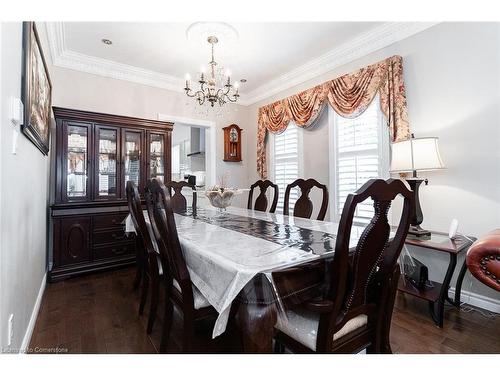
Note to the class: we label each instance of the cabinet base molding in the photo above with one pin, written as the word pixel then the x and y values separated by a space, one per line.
pixel 63 273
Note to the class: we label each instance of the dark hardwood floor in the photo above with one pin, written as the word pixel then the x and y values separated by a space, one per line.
pixel 99 314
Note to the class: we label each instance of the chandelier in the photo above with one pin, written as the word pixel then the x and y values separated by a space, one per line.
pixel 217 87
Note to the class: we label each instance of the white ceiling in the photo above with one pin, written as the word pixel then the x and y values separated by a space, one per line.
pixel 264 53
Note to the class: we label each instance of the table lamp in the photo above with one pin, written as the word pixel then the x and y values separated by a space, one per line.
pixel 412 155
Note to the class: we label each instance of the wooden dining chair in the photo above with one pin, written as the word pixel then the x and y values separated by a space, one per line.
pixel 179 201
pixel 303 205
pixel 179 289
pixel 355 309
pixel 147 255
pixel 261 202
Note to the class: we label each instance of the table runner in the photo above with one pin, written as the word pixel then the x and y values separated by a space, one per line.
pixel 306 239
pixel 221 261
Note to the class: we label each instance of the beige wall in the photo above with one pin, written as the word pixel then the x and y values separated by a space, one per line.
pixel 452 74
pixel 23 204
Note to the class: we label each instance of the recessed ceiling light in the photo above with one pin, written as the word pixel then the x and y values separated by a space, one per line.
pixel 243 80
pixel 107 41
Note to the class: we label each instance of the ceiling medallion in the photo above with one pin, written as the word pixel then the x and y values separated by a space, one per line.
pixel 199 32
pixel 216 86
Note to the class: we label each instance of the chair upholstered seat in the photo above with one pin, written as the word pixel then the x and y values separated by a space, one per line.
pixel 302 326
pixel 199 300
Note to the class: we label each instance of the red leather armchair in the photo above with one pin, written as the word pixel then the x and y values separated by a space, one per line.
pixel 483 259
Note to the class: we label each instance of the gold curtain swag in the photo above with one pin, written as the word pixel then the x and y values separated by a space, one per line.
pixel 349 96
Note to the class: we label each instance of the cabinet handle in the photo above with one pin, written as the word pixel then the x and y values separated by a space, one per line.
pixel 117 221
pixel 117 237
pixel 119 252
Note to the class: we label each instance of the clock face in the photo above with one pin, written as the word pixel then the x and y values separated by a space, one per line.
pixel 233 135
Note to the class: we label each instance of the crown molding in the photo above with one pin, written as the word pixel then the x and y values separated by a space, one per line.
pixel 55 39
pixel 65 58
pixel 362 45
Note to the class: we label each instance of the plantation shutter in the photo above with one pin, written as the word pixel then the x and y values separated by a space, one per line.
pixel 358 156
pixel 286 164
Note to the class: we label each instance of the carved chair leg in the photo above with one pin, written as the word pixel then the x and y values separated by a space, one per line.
pixel 371 349
pixel 139 263
pixel 188 333
pixel 154 303
pixel 279 348
pixel 138 277
pixel 167 324
pixel 144 294
pixel 382 342
pixel 187 341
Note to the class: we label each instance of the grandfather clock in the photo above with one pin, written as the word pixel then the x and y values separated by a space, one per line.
pixel 232 143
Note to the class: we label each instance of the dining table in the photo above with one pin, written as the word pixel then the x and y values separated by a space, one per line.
pixel 253 265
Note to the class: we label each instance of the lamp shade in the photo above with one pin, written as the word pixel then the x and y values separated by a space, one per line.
pixel 416 154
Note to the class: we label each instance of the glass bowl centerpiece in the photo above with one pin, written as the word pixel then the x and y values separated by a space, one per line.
pixel 221 196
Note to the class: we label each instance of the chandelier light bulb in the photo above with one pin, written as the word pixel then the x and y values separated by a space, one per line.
pixel 236 85
pixel 188 77
pixel 228 73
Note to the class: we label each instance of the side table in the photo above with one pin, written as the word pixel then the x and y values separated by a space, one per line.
pixel 439 293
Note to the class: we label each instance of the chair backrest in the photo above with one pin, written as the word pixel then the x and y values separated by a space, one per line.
pixel 137 215
pixel 178 201
pixel 355 280
pixel 303 205
pixel 161 215
pixel 261 201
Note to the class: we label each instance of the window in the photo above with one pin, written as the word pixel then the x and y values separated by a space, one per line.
pixel 286 162
pixel 361 147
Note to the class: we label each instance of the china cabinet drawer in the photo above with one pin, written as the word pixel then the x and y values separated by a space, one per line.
pixel 109 221
pixel 112 236
pixel 114 250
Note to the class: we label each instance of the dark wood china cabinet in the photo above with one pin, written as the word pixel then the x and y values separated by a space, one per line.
pixel 95 155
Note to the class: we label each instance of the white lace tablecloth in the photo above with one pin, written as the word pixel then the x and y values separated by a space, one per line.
pixel 222 261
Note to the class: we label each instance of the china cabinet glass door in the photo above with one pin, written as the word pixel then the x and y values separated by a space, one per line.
pixel 131 154
pixel 156 158
pixel 106 163
pixel 77 158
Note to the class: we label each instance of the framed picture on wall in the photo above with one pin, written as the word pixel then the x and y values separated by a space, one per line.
pixel 36 91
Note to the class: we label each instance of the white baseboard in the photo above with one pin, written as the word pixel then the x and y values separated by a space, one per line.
pixel 478 300
pixel 34 315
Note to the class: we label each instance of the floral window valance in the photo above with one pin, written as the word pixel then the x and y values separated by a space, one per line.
pixel 349 95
